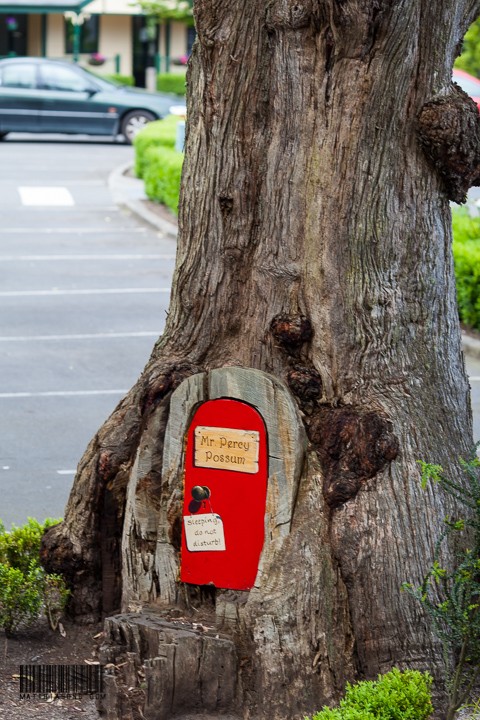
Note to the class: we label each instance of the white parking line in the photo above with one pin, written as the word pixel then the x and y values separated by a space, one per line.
pixel 62 393
pixel 84 336
pixel 66 472
pixel 48 258
pixel 43 196
pixel 474 378
pixel 93 291
pixel 74 230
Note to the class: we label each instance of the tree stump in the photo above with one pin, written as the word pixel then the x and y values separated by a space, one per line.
pixel 166 667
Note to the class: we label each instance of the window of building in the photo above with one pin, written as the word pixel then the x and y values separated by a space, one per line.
pixel 13 34
pixel 88 35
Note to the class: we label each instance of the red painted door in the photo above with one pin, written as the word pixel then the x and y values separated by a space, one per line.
pixel 225 489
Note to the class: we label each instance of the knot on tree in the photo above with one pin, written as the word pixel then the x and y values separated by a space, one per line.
pixel 305 383
pixel 449 131
pixel 106 465
pixel 166 380
pixel 226 203
pixel 353 446
pixel 58 555
pixel 291 331
pixel 289 14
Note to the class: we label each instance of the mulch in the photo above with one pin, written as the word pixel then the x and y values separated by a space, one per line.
pixel 39 644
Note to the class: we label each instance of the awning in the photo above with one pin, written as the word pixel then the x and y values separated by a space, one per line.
pixel 40 7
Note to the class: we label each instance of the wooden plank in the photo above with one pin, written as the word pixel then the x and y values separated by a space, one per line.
pixel 227 449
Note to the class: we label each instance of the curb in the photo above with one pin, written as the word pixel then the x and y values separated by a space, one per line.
pixel 128 192
pixel 471 346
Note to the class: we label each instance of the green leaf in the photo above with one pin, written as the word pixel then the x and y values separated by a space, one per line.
pixel 429 471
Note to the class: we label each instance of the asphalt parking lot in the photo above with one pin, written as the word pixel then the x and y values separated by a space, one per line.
pixel 84 293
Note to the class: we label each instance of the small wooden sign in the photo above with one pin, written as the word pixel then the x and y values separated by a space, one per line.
pixel 204 532
pixel 227 449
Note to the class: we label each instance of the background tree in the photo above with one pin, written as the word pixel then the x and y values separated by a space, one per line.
pixel 469 60
pixel 164 10
pixel 324 143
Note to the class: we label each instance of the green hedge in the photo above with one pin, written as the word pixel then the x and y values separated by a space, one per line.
pixel 466 253
pixel 158 163
pixel 394 696
pixel 25 588
pixel 162 176
pixel 172 83
pixel 121 79
pixel 160 133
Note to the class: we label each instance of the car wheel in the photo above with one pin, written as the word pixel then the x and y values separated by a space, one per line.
pixel 133 122
pixel 3 135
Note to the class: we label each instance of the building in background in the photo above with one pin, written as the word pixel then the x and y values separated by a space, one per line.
pixel 112 34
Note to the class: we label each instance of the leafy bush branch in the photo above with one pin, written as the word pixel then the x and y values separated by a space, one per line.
pixel 394 696
pixel 25 587
pixel 451 596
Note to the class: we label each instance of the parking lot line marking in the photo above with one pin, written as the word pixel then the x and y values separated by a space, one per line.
pixel 42 196
pixel 84 336
pixel 48 258
pixel 61 393
pixel 474 378
pixel 95 291
pixel 66 472
pixel 74 230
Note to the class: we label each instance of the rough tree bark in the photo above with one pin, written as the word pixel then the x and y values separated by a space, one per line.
pixel 324 142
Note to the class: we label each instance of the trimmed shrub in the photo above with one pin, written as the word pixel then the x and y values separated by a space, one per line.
pixel 121 79
pixel 162 175
pixel 158 163
pixel 467 272
pixel 172 83
pixel 25 587
pixel 394 696
pixel 155 134
pixel 464 226
pixel 20 547
pixel 466 253
pixel 20 599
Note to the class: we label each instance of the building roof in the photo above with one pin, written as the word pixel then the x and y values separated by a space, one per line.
pixel 41 6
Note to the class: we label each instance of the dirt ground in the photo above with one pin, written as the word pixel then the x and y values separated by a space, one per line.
pixel 39 644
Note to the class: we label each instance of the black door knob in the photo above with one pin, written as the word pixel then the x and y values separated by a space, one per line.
pixel 200 492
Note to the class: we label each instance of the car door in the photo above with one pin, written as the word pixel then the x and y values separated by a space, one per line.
pixel 20 98
pixel 72 104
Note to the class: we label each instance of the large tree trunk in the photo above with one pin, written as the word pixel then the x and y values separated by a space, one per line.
pixel 314 245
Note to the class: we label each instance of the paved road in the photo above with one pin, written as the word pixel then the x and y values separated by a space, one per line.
pixel 83 295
